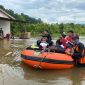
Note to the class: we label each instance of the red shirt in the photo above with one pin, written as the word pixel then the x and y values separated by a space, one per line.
pixel 69 39
pixel 64 41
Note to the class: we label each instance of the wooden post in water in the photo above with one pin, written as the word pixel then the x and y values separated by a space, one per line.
pixel 27 35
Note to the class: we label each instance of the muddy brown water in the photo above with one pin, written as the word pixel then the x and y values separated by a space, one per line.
pixel 13 72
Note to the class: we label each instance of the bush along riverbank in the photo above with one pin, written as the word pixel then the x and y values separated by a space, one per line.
pixel 54 29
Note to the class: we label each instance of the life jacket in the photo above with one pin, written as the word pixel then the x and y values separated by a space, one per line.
pixel 82 59
pixel 34 46
pixel 69 50
pixel 77 50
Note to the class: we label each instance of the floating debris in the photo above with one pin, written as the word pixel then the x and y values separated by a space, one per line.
pixel 8 53
pixel 17 59
pixel 16 46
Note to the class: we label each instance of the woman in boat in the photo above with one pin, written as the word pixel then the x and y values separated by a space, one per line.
pixel 60 45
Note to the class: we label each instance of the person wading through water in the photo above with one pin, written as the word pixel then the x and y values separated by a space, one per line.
pixel 77 50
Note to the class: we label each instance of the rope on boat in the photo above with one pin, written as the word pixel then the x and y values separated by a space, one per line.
pixel 39 65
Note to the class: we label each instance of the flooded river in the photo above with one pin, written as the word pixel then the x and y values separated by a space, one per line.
pixel 13 72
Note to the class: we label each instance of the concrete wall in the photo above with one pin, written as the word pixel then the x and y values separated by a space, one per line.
pixel 5 25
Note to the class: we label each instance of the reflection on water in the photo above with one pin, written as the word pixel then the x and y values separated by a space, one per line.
pixel 18 73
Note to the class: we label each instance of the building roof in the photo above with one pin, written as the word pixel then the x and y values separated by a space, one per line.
pixel 10 17
pixel 13 20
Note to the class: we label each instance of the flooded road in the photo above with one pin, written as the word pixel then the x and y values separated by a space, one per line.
pixel 13 72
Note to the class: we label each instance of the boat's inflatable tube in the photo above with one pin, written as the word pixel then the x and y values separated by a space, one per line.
pixel 47 60
pixel 81 61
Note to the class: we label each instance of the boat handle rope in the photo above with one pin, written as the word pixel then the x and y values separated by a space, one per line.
pixel 38 66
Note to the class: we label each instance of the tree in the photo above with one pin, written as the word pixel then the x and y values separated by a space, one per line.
pixel 72 25
pixel 61 28
pixel 2 7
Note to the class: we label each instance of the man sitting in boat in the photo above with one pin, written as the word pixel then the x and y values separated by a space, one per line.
pixel 46 41
pixel 71 36
pixel 70 39
pixel 49 39
pixel 63 43
pixel 66 41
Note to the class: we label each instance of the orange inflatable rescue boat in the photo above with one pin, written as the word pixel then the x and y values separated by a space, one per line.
pixel 46 60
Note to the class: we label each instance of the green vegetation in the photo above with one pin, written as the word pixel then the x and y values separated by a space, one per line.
pixel 55 29
pixel 36 26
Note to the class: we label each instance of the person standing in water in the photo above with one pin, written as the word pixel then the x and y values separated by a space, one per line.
pixel 1 34
pixel 77 50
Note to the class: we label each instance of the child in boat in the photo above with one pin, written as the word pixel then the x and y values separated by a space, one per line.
pixel 49 39
pixel 43 44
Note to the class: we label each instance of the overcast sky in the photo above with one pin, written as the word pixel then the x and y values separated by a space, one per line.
pixel 50 11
